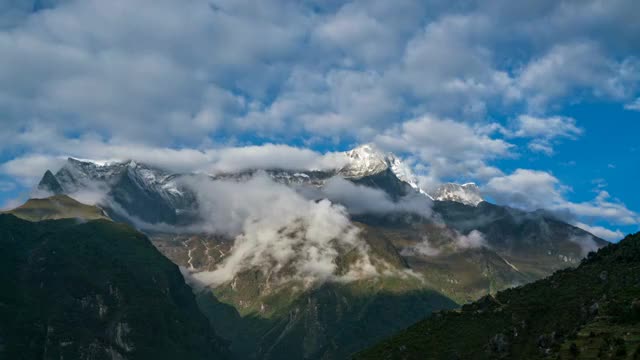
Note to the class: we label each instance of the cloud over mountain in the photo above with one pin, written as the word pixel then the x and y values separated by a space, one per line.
pixel 221 85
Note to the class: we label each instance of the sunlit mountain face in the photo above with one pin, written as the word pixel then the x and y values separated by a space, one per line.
pixel 318 175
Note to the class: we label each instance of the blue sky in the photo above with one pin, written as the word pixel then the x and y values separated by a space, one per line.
pixel 536 101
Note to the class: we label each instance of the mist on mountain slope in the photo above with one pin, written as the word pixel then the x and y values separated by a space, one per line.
pixel 275 227
pixel 360 199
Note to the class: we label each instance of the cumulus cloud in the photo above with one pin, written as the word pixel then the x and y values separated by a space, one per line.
pixel 31 166
pixel 531 190
pixel 275 229
pixel 446 147
pixel 577 65
pixel 548 128
pixel 95 66
pixel 525 189
pixel 545 130
pixel 601 232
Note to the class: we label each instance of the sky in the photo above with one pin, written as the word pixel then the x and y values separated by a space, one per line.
pixel 536 101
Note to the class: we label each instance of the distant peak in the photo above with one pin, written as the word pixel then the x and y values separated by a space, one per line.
pixel 50 184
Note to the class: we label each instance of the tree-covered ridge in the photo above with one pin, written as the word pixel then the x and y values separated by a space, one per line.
pixel 590 312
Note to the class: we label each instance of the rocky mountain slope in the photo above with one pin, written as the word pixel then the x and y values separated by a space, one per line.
pixel 592 312
pixel 94 290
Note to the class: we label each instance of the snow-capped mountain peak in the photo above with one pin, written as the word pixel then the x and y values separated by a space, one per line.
pixel 366 160
pixel 468 194
pixel 363 161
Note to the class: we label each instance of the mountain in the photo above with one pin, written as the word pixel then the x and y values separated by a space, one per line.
pixel 366 160
pixel 94 290
pixel 57 207
pixel 459 250
pixel 124 185
pixel 589 312
pixel 126 190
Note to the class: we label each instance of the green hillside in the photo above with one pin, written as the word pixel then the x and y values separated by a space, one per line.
pixel 57 207
pixel 592 312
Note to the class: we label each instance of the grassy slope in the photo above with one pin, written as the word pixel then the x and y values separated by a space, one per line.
pixel 589 312
pixel 95 290
pixel 56 207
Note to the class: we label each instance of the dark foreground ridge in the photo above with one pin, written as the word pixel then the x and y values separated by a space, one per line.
pixel 592 312
pixel 94 290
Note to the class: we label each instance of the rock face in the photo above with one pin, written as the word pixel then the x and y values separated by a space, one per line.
pixel 94 290
pixel 572 314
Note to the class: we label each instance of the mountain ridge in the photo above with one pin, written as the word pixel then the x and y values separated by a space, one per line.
pixel 362 161
pixel 449 255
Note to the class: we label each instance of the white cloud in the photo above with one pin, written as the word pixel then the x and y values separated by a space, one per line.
pixel 458 242
pixel 360 199
pixel 186 71
pixel 31 166
pixel 473 240
pixel 268 156
pixel 527 189
pixel 544 130
pixel 601 232
pixel 547 128
pixel 447 147
pixel 568 68
pixel 531 190
pixel 276 228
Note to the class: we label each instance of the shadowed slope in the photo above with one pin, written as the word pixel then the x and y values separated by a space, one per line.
pixel 94 290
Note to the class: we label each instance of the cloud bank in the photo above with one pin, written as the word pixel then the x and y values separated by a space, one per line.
pixel 278 230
